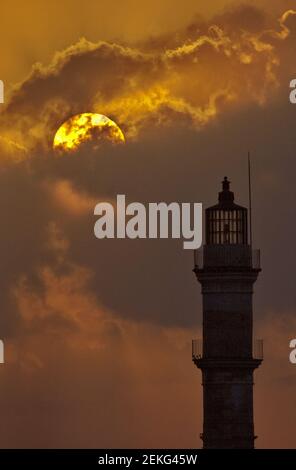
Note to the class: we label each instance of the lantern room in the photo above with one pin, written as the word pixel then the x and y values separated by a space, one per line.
pixel 226 222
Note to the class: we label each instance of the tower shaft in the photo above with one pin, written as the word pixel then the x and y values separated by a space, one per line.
pixel 227 273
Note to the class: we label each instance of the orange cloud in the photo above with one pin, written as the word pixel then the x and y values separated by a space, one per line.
pixel 276 383
pixel 71 200
pixel 137 373
pixel 94 370
pixel 214 68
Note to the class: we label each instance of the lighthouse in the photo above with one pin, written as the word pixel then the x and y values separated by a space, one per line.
pixel 227 355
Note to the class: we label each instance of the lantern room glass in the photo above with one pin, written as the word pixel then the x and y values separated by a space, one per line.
pixel 227 226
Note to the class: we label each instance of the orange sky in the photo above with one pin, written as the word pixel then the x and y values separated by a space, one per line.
pixel 32 32
pixel 98 337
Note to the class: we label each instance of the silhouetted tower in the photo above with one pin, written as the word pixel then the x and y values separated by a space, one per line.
pixel 227 268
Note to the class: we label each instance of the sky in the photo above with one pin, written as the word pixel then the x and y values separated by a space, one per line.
pixel 98 333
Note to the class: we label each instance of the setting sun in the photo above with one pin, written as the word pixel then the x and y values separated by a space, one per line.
pixel 93 128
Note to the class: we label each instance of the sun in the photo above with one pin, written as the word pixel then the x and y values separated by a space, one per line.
pixel 92 128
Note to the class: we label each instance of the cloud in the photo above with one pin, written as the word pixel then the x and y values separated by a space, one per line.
pixel 216 65
pixel 69 199
pixel 89 377
pixel 276 383
pixel 12 151
pixel 97 335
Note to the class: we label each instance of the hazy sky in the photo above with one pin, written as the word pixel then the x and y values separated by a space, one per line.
pixel 98 333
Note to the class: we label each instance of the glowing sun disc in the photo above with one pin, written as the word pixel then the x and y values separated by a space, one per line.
pixel 87 127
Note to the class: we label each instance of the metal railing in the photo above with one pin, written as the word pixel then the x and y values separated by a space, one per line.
pixel 226 256
pixel 258 349
pixel 198 258
pixel 256 261
pixel 197 349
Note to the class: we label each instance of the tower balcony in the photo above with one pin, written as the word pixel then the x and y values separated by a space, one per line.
pixel 197 350
pixel 227 256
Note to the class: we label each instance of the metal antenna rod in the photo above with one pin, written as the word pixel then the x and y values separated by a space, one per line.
pixel 250 200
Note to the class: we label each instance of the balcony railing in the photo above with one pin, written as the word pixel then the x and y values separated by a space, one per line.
pixel 197 349
pixel 258 349
pixel 221 256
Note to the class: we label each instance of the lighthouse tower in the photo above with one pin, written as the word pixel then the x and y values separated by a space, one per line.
pixel 227 268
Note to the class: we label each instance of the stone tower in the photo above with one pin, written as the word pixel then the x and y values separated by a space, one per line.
pixel 227 268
